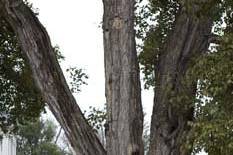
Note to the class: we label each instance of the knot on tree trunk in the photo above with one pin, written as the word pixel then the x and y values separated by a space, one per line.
pixel 117 23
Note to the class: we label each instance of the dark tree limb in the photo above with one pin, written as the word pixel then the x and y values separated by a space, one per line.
pixel 48 76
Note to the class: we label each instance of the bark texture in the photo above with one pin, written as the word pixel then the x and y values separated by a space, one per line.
pixel 169 120
pixel 49 78
pixel 123 92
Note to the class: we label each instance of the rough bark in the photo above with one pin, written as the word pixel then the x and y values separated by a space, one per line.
pixel 123 92
pixel 49 78
pixel 169 120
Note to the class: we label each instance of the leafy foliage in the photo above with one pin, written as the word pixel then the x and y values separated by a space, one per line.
pixel 58 53
pixel 19 98
pixel 77 77
pixel 154 25
pixel 212 128
pixel 96 117
pixel 214 124
pixel 36 138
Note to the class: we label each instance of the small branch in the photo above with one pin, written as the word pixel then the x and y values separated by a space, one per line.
pixel 58 135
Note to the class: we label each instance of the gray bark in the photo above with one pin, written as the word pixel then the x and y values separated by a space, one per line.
pixel 169 128
pixel 48 76
pixel 123 92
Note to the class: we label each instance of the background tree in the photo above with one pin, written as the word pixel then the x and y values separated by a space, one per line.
pixel 180 34
pixel 37 138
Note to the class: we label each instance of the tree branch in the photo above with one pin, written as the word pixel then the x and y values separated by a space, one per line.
pixel 48 76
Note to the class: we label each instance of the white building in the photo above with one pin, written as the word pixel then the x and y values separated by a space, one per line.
pixel 8 146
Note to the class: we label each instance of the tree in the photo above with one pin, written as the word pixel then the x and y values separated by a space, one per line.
pixel 123 92
pixel 36 138
pixel 47 75
pixel 212 130
pixel 182 33
pixel 20 99
pixel 169 120
pixel 37 47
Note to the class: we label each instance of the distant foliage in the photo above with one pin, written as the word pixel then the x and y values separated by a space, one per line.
pixel 37 138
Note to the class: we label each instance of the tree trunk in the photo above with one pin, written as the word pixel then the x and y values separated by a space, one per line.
pixel 173 106
pixel 49 78
pixel 123 92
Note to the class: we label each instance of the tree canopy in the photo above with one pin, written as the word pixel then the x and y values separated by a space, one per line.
pixel 37 138
pixel 185 51
pixel 212 126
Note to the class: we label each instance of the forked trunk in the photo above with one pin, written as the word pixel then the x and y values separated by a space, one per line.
pixel 173 94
